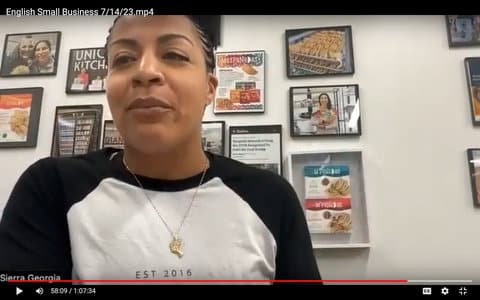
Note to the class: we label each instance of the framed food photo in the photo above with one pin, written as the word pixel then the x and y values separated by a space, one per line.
pixel 463 30
pixel 472 70
pixel 87 70
pixel 20 116
pixel 213 137
pixel 30 54
pixel 241 82
pixel 473 155
pixel 320 51
pixel 111 136
pixel 327 110
pixel 76 130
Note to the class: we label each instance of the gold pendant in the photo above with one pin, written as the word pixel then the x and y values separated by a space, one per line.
pixel 176 247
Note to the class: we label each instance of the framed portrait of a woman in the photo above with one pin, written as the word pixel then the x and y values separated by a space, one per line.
pixel 327 110
pixel 30 54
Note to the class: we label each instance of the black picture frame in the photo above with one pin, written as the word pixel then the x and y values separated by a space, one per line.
pixel 87 71
pixel 81 128
pixel 473 156
pixel 319 51
pixel 17 62
pixel 340 117
pixel 111 136
pixel 472 71
pixel 463 30
pixel 244 151
pixel 22 107
pixel 213 137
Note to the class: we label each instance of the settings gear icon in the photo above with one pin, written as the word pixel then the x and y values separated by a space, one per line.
pixel 445 291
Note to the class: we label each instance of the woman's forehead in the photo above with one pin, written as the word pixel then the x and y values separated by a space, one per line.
pixel 131 26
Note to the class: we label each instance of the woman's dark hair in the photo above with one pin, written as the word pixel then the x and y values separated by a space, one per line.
pixel 43 41
pixel 329 104
pixel 203 32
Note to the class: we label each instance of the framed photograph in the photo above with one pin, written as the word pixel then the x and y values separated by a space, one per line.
pixel 241 82
pixel 87 70
pixel 472 69
pixel 31 54
pixel 259 146
pixel 76 130
pixel 319 51
pixel 327 110
pixel 463 30
pixel 213 137
pixel 20 116
pixel 111 136
pixel 473 155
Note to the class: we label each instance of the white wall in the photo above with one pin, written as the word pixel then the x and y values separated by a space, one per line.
pixel 415 121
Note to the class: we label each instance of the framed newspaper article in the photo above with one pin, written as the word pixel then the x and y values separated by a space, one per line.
pixel 259 146
pixel 213 137
pixel 111 136
pixel 20 116
pixel 321 51
pixel 87 70
pixel 241 82
pixel 76 130
pixel 326 110
pixel 473 155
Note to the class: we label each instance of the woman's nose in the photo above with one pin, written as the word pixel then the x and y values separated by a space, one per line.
pixel 149 70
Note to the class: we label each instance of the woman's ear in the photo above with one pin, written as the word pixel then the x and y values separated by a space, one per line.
pixel 211 88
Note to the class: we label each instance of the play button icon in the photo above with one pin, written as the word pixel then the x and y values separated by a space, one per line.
pixel 19 291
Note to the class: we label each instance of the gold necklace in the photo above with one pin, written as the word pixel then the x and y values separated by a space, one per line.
pixel 175 245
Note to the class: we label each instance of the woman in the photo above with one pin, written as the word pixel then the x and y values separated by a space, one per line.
pixel 162 208
pixel 43 61
pixel 325 117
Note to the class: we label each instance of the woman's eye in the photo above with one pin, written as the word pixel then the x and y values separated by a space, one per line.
pixel 175 56
pixel 121 60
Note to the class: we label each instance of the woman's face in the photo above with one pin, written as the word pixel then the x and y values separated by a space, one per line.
pixel 323 100
pixel 42 53
pixel 157 83
pixel 26 48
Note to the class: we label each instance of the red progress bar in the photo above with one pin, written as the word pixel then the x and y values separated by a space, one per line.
pixel 206 281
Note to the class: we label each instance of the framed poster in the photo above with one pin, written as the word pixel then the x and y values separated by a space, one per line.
pixel 463 30
pixel 319 51
pixel 87 70
pixel 326 110
pixel 472 69
pixel 20 116
pixel 259 146
pixel 76 130
pixel 27 54
pixel 111 136
pixel 213 137
pixel 241 82
pixel 473 155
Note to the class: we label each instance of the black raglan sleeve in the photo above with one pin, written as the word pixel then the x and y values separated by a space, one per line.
pixel 33 229
pixel 295 257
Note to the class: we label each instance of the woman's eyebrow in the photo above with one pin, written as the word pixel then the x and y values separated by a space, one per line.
pixel 163 39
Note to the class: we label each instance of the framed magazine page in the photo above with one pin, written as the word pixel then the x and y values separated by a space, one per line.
pixel 463 30
pixel 320 51
pixel 111 136
pixel 213 137
pixel 31 54
pixel 328 110
pixel 76 130
pixel 259 146
pixel 87 70
pixel 241 82
pixel 473 155
pixel 20 116
pixel 472 69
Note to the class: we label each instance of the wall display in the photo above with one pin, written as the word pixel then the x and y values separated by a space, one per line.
pixel 87 70
pixel 319 51
pixel 463 30
pixel 325 110
pixel 473 155
pixel 27 54
pixel 241 82
pixel 259 146
pixel 111 136
pixel 76 130
pixel 213 136
pixel 20 116
pixel 472 69
pixel 328 207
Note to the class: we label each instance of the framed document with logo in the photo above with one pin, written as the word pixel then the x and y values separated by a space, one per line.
pixel 87 70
